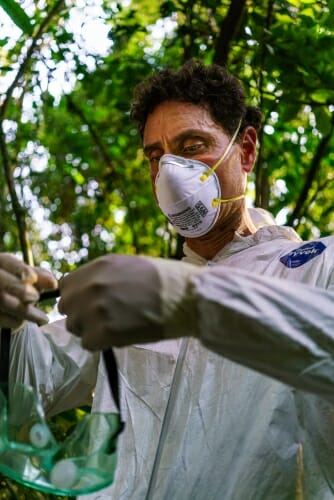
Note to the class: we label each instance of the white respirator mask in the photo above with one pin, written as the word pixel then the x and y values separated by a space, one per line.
pixel 188 192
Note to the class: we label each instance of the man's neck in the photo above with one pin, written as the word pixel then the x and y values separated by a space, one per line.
pixel 209 245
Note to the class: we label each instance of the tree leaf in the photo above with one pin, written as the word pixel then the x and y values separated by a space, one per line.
pixel 17 14
pixel 321 95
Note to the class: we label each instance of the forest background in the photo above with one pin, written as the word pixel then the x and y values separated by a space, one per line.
pixel 73 180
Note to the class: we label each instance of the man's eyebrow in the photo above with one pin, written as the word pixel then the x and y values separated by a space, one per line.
pixel 152 147
pixel 192 132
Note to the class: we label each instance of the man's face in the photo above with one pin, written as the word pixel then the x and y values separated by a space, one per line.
pixel 187 130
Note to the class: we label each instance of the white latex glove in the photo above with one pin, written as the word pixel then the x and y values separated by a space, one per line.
pixel 19 290
pixel 118 300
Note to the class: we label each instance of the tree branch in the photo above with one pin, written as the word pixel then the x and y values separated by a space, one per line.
pixel 313 198
pixel 72 106
pixel 228 30
pixel 261 170
pixel 294 217
pixel 35 39
pixel 18 210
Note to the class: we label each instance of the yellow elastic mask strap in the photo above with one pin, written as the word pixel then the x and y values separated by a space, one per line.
pixel 217 201
pixel 226 152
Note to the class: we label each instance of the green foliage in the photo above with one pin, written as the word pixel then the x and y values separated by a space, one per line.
pixel 75 152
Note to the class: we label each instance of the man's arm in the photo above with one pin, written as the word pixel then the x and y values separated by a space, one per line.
pixel 280 328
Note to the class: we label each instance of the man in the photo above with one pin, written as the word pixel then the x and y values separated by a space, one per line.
pixel 199 423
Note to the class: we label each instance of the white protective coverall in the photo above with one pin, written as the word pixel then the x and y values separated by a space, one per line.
pixel 200 426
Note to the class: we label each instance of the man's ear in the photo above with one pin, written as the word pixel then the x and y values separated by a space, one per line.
pixel 248 148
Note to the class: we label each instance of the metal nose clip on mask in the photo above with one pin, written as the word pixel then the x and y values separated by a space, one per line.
pixel 29 454
pixel 189 194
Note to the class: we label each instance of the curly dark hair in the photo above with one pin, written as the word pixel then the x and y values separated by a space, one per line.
pixel 212 87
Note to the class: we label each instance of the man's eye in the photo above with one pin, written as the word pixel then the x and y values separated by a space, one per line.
pixel 154 160
pixel 193 148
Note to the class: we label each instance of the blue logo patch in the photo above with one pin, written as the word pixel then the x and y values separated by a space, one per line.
pixel 303 254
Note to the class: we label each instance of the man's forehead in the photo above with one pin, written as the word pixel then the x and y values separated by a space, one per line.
pixel 177 122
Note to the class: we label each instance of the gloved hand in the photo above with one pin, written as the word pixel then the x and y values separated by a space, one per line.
pixel 19 290
pixel 119 300
pixel 114 300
